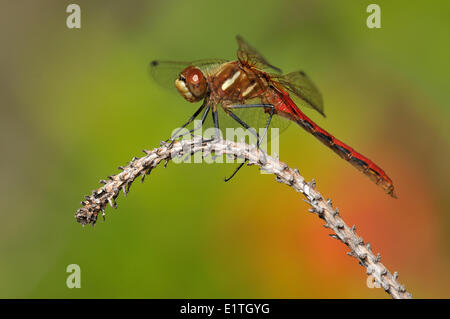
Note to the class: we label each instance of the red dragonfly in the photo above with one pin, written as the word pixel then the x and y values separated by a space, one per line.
pixel 251 82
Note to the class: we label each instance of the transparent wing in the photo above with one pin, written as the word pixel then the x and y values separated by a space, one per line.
pixel 303 88
pixel 166 72
pixel 247 54
pixel 256 118
pixel 208 66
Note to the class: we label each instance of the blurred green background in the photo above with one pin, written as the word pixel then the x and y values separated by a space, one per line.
pixel 78 103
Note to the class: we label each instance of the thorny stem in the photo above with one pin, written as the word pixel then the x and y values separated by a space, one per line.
pixel 96 203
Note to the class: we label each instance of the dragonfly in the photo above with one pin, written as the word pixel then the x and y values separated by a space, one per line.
pixel 252 83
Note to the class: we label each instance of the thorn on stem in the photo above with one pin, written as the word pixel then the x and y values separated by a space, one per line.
pixel 334 236
pixel 112 202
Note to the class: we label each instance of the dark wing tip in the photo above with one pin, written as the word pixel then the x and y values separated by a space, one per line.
pixel 320 109
pixel 241 42
pixel 276 68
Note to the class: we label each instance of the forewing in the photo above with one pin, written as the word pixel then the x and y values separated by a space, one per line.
pixel 166 72
pixel 247 54
pixel 208 66
pixel 303 88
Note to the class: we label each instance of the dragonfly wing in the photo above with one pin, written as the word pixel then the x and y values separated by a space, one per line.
pixel 166 72
pixel 303 89
pixel 255 117
pixel 209 66
pixel 247 54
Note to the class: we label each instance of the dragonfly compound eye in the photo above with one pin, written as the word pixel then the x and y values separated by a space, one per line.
pixel 192 84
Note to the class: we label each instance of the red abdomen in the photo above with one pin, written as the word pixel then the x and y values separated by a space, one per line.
pixel 362 163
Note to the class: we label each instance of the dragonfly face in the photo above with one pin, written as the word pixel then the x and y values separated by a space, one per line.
pixel 191 84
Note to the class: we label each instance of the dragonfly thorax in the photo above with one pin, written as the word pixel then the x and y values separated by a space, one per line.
pixel 192 84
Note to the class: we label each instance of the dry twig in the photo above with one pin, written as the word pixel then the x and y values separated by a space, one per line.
pixel 96 203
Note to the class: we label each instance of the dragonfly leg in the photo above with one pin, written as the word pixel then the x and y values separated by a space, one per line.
pixel 247 106
pixel 215 115
pixel 272 110
pixel 246 126
pixel 191 119
pixel 203 119
pixel 226 179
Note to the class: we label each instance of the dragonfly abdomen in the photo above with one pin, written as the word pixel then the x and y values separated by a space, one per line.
pixel 362 163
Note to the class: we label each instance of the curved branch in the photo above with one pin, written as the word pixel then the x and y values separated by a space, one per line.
pixel 96 203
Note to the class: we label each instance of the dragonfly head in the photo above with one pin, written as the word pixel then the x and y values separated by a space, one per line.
pixel 192 84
